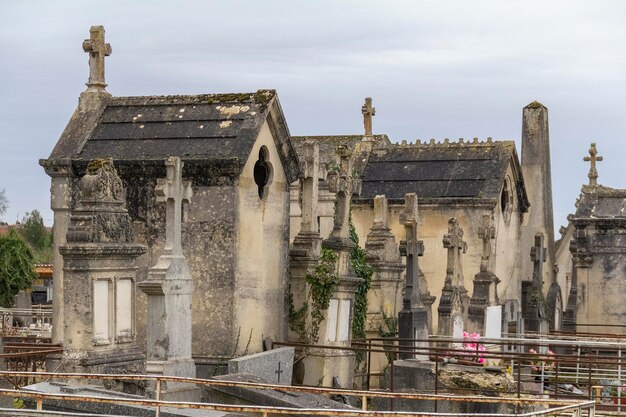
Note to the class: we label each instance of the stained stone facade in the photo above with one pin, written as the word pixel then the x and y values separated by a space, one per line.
pixel 593 269
pixel 239 160
pixel 99 263
pixel 460 179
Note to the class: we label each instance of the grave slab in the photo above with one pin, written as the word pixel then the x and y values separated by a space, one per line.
pixel 274 366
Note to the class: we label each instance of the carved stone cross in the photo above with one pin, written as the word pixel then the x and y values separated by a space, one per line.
pixel 368 111
pixel 344 186
pixel 538 256
pixel 98 50
pixel 411 248
pixel 453 241
pixel 486 232
pixel 173 191
pixel 593 158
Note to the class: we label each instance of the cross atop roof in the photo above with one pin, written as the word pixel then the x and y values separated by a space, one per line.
pixel 368 111
pixel 98 50
pixel 593 158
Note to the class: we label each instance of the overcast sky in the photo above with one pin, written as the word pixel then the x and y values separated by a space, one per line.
pixel 435 69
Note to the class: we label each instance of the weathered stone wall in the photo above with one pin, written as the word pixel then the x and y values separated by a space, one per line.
pixel 507 247
pixel 601 286
pixel 262 247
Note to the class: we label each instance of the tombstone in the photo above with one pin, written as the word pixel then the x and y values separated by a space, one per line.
pixel 554 301
pixel 169 288
pixel 100 275
pixel 533 300
pixel 413 318
pixel 454 299
pixel 485 292
pixel 274 366
pixel 322 366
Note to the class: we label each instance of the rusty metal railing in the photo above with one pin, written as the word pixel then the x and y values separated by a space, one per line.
pixel 555 407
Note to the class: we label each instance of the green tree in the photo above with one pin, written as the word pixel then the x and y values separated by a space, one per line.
pixel 34 232
pixel 4 203
pixel 16 267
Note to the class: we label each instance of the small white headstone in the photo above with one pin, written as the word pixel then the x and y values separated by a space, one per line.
pixel 493 322
pixel 101 310
pixel 457 330
pixel 344 321
pixel 331 327
pixel 124 308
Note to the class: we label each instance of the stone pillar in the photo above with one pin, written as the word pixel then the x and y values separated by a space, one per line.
pixel 169 288
pixel 533 300
pixel 305 251
pixel 98 290
pixel 485 292
pixel 454 299
pixel 582 260
pixel 61 204
pixel 385 294
pixel 413 318
pixel 336 328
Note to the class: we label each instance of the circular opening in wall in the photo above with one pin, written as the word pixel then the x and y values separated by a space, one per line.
pixel 263 172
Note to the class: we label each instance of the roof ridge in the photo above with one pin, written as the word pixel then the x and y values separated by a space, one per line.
pixel 448 143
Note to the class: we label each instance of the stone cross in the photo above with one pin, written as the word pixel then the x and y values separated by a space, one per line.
pixel 453 241
pixel 538 256
pixel 309 186
pixel 593 158
pixel 368 111
pixel 278 372
pixel 411 248
pixel 98 50
pixel 343 185
pixel 173 191
pixel 486 232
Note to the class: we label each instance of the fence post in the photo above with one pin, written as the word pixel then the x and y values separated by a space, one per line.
pixel 556 379
pixel 369 360
pixel 158 396
pixel 519 378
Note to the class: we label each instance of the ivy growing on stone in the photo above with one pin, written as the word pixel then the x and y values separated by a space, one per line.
pixel 362 270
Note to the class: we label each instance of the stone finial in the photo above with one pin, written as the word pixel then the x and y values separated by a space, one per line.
pixel 98 50
pixel 173 191
pixel 381 212
pixel 593 158
pixel 487 232
pixel 368 111
pixel 101 184
pixel 100 215
pixel 342 183
pixel 309 186
pixel 453 241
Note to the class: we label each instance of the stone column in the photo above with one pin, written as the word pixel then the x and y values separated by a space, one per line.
pixel 385 293
pixel 336 367
pixel 413 318
pixel 169 288
pixel 485 292
pixel 454 299
pixel 61 204
pixel 99 279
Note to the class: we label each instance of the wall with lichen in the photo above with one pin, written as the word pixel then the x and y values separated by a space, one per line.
pixel 507 246
pixel 262 248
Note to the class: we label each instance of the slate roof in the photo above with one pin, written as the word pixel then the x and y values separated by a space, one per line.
pixel 328 144
pixel 454 172
pixel 214 128
pixel 601 203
